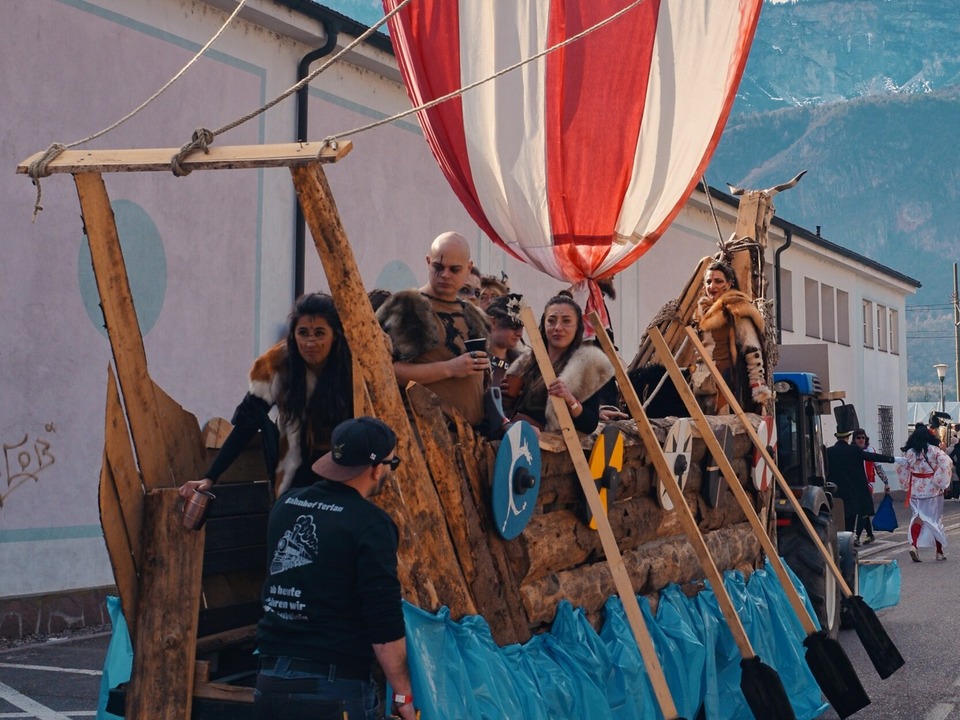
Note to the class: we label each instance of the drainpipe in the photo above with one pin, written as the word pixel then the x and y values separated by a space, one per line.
pixel 788 235
pixel 300 223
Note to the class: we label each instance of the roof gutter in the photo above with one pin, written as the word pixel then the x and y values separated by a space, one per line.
pixel 303 104
pixel 788 235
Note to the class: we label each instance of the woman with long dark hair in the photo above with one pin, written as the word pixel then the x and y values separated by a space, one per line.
pixel 308 377
pixel 924 471
pixel 582 370
pixel 731 329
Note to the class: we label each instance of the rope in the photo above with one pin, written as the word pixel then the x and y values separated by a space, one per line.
pixel 38 168
pixel 713 211
pixel 471 86
pixel 203 137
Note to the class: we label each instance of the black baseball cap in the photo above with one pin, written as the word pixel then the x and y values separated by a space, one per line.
pixel 356 445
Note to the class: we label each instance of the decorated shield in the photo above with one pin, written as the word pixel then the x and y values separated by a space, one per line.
pixel 516 479
pixel 762 473
pixel 606 462
pixel 677 448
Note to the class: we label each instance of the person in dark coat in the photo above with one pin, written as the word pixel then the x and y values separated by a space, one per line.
pixel 845 470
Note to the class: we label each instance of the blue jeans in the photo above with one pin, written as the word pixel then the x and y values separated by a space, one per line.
pixel 284 694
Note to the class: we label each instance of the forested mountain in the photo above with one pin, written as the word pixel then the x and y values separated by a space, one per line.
pixel 865 96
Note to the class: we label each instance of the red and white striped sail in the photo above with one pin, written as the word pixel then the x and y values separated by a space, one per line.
pixel 576 162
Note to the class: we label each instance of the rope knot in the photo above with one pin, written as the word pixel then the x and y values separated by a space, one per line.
pixel 39 168
pixel 200 140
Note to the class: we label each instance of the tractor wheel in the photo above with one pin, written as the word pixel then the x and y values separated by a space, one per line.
pixel 804 558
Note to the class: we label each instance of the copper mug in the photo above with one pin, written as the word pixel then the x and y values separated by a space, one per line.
pixel 195 509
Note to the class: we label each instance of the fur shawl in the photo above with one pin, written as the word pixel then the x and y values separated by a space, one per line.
pixel 586 372
pixel 733 303
pixel 266 383
pixel 407 317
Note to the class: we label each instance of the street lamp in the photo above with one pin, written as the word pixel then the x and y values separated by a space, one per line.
pixel 941 369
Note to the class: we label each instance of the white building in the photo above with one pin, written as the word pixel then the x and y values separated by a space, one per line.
pixel 213 257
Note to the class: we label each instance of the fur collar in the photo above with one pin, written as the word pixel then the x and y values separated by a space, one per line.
pixel 587 371
pixel 407 317
pixel 733 303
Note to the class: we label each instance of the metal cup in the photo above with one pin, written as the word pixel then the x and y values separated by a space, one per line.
pixel 195 509
pixel 476 344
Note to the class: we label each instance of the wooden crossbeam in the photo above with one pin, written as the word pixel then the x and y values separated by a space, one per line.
pixel 227 157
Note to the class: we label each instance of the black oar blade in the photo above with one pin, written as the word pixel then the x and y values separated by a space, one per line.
pixel 764 691
pixel 835 675
pixel 883 653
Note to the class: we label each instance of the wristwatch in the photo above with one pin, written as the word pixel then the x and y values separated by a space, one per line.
pixel 400 700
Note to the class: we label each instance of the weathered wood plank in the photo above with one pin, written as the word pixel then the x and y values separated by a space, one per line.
pixel 119 455
pixel 118 542
pixel 427 563
pixel 126 341
pixel 161 683
pixel 226 157
pixel 182 434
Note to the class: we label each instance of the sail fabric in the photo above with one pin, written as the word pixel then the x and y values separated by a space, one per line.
pixel 576 162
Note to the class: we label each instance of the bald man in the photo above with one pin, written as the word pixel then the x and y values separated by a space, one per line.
pixel 429 328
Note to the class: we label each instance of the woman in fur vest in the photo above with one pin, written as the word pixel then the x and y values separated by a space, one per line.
pixel 582 371
pixel 731 329
pixel 308 378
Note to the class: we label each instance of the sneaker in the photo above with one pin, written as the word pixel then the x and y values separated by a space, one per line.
pixel 941 556
pixel 914 555
pixel 856 542
pixel 870 539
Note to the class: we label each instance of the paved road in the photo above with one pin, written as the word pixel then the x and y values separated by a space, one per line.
pixel 61 679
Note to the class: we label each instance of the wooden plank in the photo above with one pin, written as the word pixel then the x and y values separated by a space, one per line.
pixel 215 432
pixel 119 546
pixel 246 531
pixel 126 341
pixel 222 691
pixel 119 455
pixel 166 627
pixel 226 157
pixel 615 562
pixel 182 434
pixel 218 641
pixel 427 564
pixel 214 621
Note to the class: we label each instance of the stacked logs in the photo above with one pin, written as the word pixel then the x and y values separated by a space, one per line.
pixel 516 585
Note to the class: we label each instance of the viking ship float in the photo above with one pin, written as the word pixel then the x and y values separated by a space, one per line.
pixel 617 135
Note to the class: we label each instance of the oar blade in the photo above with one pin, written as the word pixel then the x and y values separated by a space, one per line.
pixel 883 653
pixel 835 675
pixel 764 691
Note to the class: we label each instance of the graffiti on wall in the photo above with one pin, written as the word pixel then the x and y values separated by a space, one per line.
pixel 23 461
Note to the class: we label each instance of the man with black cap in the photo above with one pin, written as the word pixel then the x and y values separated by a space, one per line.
pixel 845 470
pixel 331 599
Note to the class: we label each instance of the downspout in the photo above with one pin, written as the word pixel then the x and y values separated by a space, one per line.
pixel 788 235
pixel 300 223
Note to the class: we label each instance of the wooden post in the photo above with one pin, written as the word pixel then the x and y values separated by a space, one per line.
pixel 126 342
pixel 625 588
pixel 426 549
pixel 161 683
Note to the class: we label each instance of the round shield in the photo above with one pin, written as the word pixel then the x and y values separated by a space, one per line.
pixel 516 479
pixel 762 473
pixel 677 448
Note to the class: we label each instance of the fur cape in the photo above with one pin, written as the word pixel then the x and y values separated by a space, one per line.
pixel 407 317
pixel 266 383
pixel 586 372
pixel 736 305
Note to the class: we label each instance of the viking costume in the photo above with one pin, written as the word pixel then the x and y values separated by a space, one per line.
pixel 425 329
pixel 585 374
pixel 925 475
pixel 731 328
pixel 286 447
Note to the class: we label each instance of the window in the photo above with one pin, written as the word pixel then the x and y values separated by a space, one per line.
pixel 827 314
pixel 843 317
pixel 811 292
pixel 885 423
pixel 786 300
pixel 881 328
pixel 894 326
pixel 867 324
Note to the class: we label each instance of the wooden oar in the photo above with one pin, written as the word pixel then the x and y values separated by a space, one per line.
pixel 610 548
pixel 881 649
pixel 826 658
pixel 760 683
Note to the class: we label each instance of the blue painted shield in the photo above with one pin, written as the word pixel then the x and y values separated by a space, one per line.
pixel 516 479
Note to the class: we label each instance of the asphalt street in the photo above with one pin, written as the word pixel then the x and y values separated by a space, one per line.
pixel 60 679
